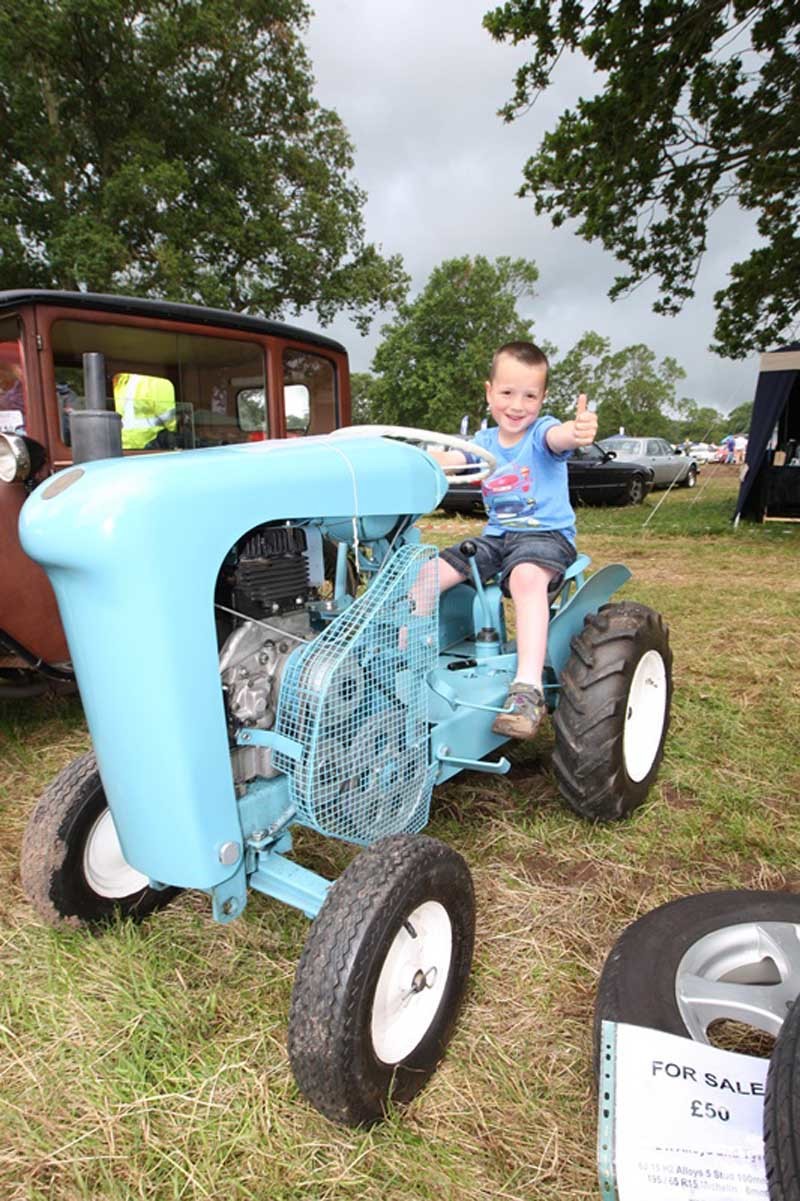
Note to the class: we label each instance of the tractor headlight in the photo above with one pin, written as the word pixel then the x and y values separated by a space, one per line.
pixel 15 458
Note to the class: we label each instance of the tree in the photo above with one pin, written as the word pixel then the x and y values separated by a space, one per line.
pixel 361 385
pixel 636 393
pixel 576 372
pixel 738 420
pixel 174 148
pixel 699 103
pixel 435 356
pixel 698 423
pixel 628 386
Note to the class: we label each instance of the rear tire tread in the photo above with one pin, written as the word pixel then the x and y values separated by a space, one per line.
pixel 588 722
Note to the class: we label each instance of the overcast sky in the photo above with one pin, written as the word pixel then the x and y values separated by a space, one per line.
pixel 418 84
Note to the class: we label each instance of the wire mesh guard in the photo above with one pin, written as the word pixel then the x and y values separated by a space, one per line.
pixel 356 699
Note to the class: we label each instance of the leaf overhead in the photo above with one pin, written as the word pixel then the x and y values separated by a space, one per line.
pixel 697 104
pixel 176 149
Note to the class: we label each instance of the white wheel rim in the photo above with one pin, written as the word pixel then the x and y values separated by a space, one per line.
pixel 412 982
pixel 748 973
pixel 106 870
pixel 645 711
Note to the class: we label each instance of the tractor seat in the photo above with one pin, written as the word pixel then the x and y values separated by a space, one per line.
pixel 572 579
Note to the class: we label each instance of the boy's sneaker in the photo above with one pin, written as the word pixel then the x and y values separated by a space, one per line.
pixel 525 709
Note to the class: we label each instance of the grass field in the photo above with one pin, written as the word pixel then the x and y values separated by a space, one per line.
pixel 150 1062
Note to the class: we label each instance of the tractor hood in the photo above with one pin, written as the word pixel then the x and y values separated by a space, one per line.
pixel 132 548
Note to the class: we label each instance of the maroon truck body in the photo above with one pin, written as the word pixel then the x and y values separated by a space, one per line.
pixel 230 378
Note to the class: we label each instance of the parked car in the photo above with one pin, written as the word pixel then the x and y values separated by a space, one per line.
pixel 596 477
pixel 180 376
pixel 703 452
pixel 669 466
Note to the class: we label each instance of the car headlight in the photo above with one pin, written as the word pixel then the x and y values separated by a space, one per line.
pixel 15 458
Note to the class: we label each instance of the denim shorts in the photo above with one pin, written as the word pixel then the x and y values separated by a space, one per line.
pixel 498 556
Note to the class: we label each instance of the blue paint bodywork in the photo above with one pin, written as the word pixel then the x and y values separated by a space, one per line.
pixel 133 548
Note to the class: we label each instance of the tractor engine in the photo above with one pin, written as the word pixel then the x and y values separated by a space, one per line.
pixel 267 596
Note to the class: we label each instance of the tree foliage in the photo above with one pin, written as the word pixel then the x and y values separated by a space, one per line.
pixel 629 387
pixel 577 371
pixel 738 420
pixel 361 385
pixel 636 393
pixel 174 148
pixel 698 423
pixel 698 103
pixel 433 360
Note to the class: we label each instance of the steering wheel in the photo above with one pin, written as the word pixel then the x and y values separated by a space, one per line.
pixel 404 433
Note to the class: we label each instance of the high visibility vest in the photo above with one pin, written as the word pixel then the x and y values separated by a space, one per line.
pixel 147 405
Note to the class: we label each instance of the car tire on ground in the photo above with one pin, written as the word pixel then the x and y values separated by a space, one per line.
pixel 381 978
pixel 731 955
pixel 613 711
pixel 782 1113
pixel 635 494
pixel 690 479
pixel 72 866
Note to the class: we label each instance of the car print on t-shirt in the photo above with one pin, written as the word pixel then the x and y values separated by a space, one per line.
pixel 508 499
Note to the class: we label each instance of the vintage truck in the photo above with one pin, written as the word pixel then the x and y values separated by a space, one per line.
pixel 180 376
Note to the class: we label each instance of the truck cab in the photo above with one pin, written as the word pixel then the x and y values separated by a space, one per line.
pixel 182 377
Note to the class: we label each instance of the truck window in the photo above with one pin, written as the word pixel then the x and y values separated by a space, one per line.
pixel 309 393
pixel 174 391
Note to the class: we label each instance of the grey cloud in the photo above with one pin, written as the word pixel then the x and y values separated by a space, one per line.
pixel 418 86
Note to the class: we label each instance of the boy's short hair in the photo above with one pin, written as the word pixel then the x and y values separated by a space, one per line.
pixel 524 352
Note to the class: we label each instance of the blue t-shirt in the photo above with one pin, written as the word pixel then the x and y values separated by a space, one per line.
pixel 529 488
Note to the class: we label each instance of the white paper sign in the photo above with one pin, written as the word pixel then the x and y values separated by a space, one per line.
pixel 685 1120
pixel 10 420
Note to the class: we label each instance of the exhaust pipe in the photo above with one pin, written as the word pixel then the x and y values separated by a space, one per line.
pixel 95 432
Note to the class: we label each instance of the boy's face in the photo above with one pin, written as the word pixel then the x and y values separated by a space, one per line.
pixel 515 396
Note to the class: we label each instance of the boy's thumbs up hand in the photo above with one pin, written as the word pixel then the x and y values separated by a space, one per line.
pixel 585 424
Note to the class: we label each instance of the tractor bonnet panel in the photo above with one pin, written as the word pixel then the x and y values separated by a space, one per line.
pixel 132 548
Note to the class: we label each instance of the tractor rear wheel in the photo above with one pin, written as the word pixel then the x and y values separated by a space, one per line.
pixel 381 978
pixel 72 865
pixel 613 711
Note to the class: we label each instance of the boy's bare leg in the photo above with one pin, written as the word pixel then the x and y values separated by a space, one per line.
pixel 434 577
pixel 525 704
pixel 528 584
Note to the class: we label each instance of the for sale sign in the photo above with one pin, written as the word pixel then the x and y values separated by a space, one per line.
pixel 678 1119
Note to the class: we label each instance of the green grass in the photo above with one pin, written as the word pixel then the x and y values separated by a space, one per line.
pixel 150 1062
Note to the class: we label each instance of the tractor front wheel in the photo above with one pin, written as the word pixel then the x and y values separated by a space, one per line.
pixel 613 711
pixel 72 865
pixel 381 978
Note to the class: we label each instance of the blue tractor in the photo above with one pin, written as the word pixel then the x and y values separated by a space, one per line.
pixel 258 646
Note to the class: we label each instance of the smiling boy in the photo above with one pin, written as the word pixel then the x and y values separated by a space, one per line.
pixel 529 539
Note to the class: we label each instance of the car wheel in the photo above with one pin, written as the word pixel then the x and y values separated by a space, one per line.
pixel 635 494
pixel 782 1113
pixel 690 478
pixel 613 711
pixel 381 978
pixel 700 960
pixel 72 865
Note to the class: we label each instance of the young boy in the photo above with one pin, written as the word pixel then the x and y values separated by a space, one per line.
pixel 529 540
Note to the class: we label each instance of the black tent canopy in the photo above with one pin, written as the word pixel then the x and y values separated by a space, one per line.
pixel 770 486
